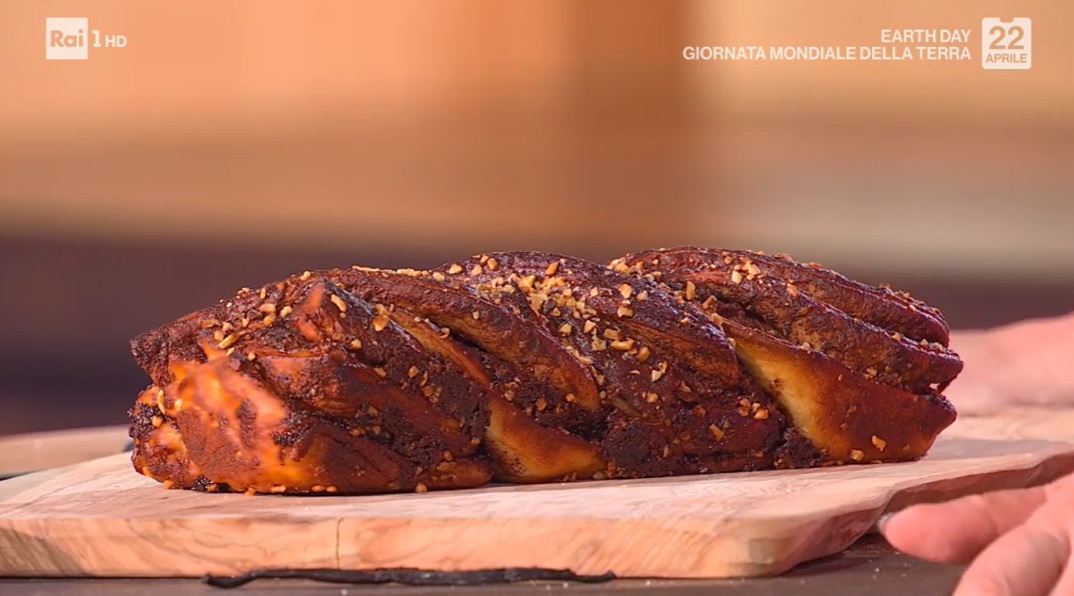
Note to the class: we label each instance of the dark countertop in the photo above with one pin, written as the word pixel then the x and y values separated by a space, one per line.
pixel 868 567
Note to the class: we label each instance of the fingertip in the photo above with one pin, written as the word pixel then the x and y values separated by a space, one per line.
pixel 903 529
pixel 955 531
pixel 880 523
pixel 932 532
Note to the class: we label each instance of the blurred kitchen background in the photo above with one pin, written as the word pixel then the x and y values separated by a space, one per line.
pixel 234 142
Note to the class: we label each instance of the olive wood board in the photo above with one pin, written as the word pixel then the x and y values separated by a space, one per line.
pixel 31 452
pixel 100 518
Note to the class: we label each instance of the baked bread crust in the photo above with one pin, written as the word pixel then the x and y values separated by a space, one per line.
pixel 533 367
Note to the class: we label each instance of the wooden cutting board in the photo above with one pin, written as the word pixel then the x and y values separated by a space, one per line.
pixel 99 518
pixel 20 454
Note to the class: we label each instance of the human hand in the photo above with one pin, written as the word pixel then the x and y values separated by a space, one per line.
pixel 1019 541
pixel 1028 363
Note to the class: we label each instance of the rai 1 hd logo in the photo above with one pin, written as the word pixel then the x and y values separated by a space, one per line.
pixel 71 39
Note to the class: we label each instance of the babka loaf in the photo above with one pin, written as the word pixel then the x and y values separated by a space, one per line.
pixel 532 367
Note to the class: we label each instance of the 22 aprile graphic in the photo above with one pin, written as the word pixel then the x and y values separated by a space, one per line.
pixel 1006 45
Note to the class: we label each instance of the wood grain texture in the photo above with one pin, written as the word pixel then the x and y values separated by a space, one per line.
pixel 38 451
pixel 99 518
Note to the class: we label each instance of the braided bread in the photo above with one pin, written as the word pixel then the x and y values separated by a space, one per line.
pixel 533 367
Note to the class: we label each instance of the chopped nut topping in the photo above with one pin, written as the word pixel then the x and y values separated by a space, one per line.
pixel 342 306
pixel 380 372
pixel 625 290
pixel 541 404
pixel 285 311
pixel 659 371
pixel 317 488
pixel 157 421
pixel 438 276
pixel 857 454
pixel 622 345
pixel 278 488
pixel 552 268
pixel 599 345
pixel 263 294
pixel 611 334
pixel 879 443
pixel 625 311
pixel 305 275
pixel 356 344
pixel 476 315
pixel 492 264
pixel 218 336
pixel 761 414
pixel 715 432
pixel 736 277
pixel 588 327
pixel 651 397
pixel 691 290
pixel 565 329
pixel 251 356
pixel 413 372
pixel 228 341
pixel 455 269
pixel 477 270
pixel 792 289
pixel 569 398
pixel 380 322
pixel 331 488
pixel 527 282
pixel 643 354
